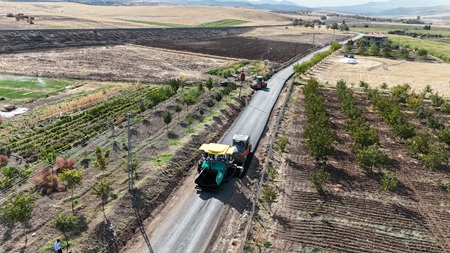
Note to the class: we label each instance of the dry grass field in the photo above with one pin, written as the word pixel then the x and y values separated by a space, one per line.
pixel 112 63
pixel 376 71
pixel 57 15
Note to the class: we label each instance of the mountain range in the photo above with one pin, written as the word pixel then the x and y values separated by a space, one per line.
pixel 393 6
pixel 263 4
pixel 403 7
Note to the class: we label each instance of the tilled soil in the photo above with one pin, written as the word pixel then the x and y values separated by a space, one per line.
pixel 213 41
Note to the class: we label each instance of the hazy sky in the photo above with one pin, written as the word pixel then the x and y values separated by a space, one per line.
pixel 318 3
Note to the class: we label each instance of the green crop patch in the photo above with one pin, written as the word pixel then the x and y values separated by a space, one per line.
pixel 17 94
pixel 155 23
pixel 223 23
pixel 28 87
pixel 218 23
pixel 162 159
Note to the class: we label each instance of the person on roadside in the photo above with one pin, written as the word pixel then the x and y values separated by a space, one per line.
pixel 58 248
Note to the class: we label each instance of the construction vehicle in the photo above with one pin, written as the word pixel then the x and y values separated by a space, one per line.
pixel 258 83
pixel 220 162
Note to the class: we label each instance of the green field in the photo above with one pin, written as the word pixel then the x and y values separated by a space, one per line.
pixel 156 23
pixel 439 48
pixel 417 29
pixel 219 23
pixel 30 87
pixel 223 23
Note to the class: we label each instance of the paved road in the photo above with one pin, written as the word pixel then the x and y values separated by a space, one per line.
pixel 192 219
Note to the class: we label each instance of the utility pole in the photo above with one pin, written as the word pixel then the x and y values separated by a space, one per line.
pixel 242 83
pixel 130 158
pixel 314 37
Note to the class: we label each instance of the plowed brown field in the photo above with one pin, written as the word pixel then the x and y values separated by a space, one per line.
pixel 353 215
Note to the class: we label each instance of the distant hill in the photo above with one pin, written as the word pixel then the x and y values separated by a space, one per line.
pixel 393 7
pixel 263 4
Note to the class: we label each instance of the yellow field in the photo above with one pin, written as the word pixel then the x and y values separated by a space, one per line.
pixel 59 15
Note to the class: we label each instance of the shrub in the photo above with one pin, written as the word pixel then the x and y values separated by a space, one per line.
pixel 319 178
pixel 445 107
pixel 434 123
pixel 405 130
pixel 3 160
pixel 64 163
pixel 436 157
pixel 414 101
pixel 282 142
pixel 389 181
pixel 421 112
pixel 444 135
pixel 47 181
pixel 269 195
pixel 364 136
pixel 436 100
pixel 335 46
pixel 400 92
pixel 418 144
pixel 371 157
pixel 301 68
pixel 422 53
pixel 427 90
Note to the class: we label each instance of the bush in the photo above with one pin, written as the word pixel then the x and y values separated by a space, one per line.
pixel 269 195
pixel 335 46
pixel 436 100
pixel 421 112
pixel 364 137
pixel 389 181
pixel 422 53
pixel 414 101
pixel 418 144
pixel 400 92
pixel 282 142
pixel 3 160
pixel 319 178
pixel 444 135
pixel 436 157
pixel 371 157
pixel 434 123
pixel 445 107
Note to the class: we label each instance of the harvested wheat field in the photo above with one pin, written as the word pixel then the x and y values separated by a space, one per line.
pixel 57 15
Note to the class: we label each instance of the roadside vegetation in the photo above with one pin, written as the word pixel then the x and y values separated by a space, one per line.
pixel 57 154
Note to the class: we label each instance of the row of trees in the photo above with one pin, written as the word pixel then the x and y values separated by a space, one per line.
pixel 365 138
pixel 303 67
pixel 387 49
pixel 58 174
pixel 420 144
pixel 369 155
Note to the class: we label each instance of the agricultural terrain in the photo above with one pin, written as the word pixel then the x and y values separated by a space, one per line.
pixel 78 86
pixel 81 69
pixel 353 213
